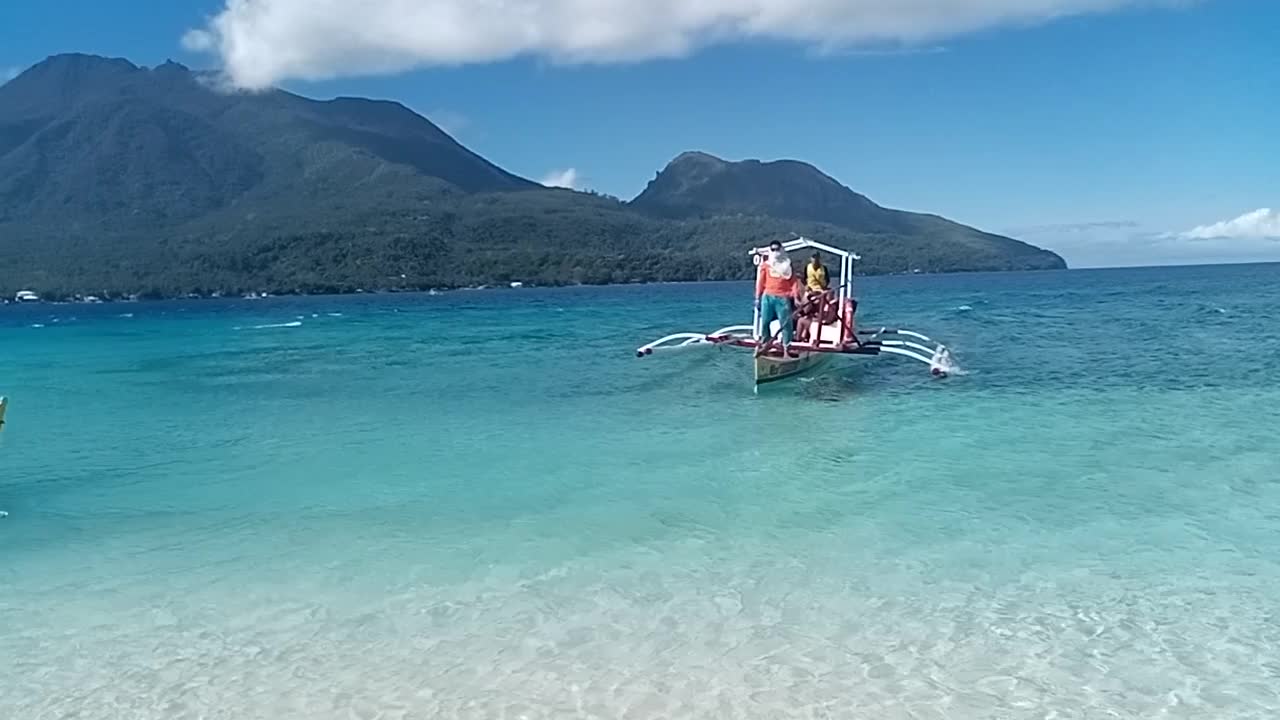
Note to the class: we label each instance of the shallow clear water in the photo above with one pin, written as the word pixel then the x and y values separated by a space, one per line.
pixel 481 505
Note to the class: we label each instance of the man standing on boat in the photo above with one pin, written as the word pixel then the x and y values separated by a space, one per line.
pixel 776 287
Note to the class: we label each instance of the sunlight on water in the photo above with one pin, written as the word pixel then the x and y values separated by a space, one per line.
pixel 481 505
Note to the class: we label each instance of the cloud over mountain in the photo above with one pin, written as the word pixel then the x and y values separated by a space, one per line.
pixel 567 178
pixel 261 42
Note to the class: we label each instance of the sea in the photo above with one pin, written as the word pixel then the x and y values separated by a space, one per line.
pixel 484 505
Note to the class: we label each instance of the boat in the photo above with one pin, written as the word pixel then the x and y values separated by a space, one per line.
pixel 26 296
pixel 838 335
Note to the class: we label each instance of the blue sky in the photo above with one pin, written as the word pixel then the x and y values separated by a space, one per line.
pixel 1128 135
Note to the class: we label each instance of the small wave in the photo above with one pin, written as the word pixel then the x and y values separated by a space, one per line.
pixel 964 308
pixel 37 325
pixel 334 314
pixel 126 315
pixel 1212 310
pixel 269 326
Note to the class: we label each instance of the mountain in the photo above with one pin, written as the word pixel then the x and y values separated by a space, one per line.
pixel 96 139
pixel 116 178
pixel 698 185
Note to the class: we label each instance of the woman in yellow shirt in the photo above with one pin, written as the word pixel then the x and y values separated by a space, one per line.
pixel 817 301
pixel 816 274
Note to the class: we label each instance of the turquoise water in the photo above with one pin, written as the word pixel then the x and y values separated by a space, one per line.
pixel 481 505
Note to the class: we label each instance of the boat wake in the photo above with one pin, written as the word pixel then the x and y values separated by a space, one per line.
pixel 946 364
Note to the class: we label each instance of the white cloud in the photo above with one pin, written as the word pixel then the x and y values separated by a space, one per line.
pixel 1261 224
pixel 567 178
pixel 893 51
pixel 262 42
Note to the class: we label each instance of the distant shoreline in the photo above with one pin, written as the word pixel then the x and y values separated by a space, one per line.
pixel 107 298
pixel 7 300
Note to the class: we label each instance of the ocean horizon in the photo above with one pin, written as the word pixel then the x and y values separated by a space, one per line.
pixel 483 505
pixel 519 285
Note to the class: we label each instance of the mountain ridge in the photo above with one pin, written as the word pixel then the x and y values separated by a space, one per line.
pixel 118 178
pixel 699 184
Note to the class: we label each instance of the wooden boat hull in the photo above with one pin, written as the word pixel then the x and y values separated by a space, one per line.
pixel 771 368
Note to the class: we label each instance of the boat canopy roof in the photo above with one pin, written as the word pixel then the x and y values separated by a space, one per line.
pixel 804 242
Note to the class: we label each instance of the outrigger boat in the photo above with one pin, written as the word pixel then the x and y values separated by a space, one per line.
pixel 838 335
